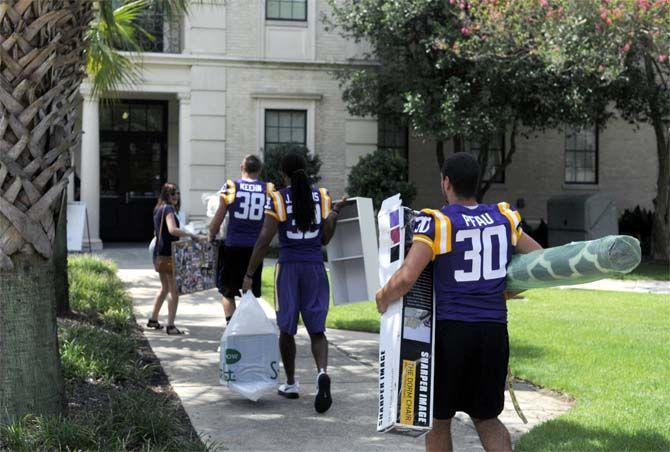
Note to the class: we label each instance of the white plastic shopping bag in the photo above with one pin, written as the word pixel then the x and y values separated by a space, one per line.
pixel 211 203
pixel 249 361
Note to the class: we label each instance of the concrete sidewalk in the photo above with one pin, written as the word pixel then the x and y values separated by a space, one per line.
pixel 274 423
pixel 620 285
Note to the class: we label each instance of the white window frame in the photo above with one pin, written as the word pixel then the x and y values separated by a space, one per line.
pixel 276 102
pixel 305 26
pixel 596 132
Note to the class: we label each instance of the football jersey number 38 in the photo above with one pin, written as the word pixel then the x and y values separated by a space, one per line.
pixel 480 254
pixel 251 206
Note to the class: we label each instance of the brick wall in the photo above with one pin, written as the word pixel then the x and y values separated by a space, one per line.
pixel 627 170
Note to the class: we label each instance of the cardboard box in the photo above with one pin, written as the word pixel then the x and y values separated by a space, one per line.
pixel 406 340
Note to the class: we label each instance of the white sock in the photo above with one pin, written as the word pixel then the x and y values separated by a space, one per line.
pixel 321 371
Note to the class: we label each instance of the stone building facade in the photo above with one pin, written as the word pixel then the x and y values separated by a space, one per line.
pixel 231 78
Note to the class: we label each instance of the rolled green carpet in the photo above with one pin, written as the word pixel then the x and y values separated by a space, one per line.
pixel 574 263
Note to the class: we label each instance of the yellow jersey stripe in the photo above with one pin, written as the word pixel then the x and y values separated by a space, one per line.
pixel 503 207
pixel 269 187
pixel 442 242
pixel 272 214
pixel 275 203
pixel 424 239
pixel 438 234
pixel 280 206
pixel 276 300
pixel 326 203
pixel 229 196
pixel 444 224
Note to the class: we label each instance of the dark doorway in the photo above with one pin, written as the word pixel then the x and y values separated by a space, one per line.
pixel 133 167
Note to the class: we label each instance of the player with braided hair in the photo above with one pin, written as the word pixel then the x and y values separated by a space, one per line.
pixel 306 220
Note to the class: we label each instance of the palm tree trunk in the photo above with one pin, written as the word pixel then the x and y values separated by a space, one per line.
pixel 30 375
pixel 41 68
pixel 60 261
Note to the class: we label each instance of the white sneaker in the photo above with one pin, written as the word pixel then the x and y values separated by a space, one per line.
pixel 289 391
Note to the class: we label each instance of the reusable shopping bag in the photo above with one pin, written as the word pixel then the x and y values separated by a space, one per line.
pixel 249 361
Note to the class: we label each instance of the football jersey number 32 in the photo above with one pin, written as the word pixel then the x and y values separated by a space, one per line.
pixel 480 254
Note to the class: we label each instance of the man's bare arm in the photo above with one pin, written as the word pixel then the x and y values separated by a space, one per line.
pixel 331 222
pixel 526 244
pixel 268 231
pixel 402 281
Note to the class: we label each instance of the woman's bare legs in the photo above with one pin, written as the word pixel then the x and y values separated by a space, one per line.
pixel 160 296
pixel 174 299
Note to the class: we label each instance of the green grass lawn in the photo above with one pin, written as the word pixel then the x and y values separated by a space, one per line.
pixel 610 351
pixel 357 317
pixel 651 271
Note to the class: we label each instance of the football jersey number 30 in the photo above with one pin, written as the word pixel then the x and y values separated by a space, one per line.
pixel 481 253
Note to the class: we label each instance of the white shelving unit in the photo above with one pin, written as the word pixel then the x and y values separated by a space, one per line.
pixel 353 254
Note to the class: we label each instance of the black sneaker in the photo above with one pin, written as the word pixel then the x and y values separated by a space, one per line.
pixel 323 401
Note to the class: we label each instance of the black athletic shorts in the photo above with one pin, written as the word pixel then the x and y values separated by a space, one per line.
pixel 470 369
pixel 233 262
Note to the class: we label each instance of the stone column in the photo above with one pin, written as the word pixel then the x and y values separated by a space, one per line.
pixel 90 168
pixel 186 34
pixel 185 151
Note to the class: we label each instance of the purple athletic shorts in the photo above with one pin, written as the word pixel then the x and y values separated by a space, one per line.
pixel 301 287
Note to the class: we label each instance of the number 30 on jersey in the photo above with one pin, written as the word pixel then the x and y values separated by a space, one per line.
pixel 480 254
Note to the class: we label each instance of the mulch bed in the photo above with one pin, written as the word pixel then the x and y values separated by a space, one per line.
pixel 85 397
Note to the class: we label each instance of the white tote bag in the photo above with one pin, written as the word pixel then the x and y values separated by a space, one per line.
pixel 249 361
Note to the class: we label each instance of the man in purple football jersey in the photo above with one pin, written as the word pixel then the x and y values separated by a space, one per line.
pixel 470 245
pixel 244 200
pixel 306 220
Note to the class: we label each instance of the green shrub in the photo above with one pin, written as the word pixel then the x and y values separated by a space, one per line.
pixel 96 291
pixel 93 352
pixel 379 175
pixel 272 163
pixel 47 433
pixel 134 420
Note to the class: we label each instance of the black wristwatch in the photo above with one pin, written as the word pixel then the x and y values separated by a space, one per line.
pixel 249 276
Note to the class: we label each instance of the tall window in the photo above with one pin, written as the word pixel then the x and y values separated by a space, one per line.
pixel 286 10
pixel 496 149
pixel 393 136
pixel 285 126
pixel 581 156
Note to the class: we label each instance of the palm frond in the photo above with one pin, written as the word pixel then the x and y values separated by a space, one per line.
pixel 174 9
pixel 112 30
